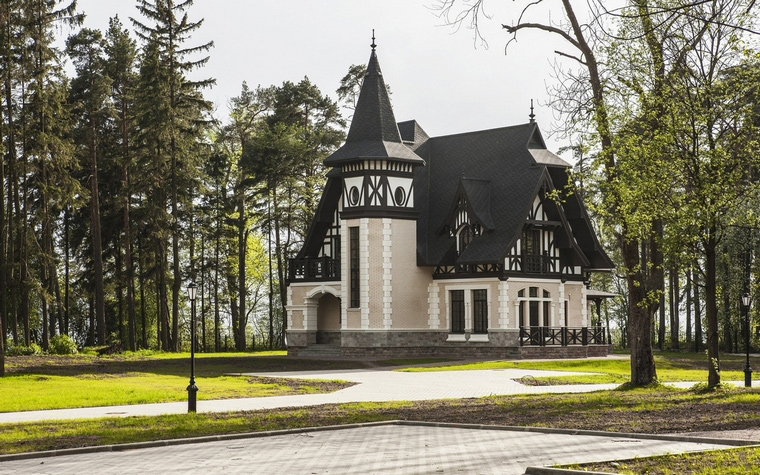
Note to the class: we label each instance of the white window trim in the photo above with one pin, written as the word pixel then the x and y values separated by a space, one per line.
pixel 468 312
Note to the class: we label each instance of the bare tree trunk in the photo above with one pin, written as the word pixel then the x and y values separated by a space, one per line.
pixel 688 308
pixel 97 248
pixel 674 301
pixel 711 310
pixel 697 312
pixel 217 322
pixel 241 231
pixel 203 291
pixel 141 282
pixel 661 325
pixel 119 271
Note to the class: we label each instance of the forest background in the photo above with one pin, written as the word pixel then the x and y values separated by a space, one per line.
pixel 119 186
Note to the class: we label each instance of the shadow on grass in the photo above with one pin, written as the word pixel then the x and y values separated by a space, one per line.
pixel 204 367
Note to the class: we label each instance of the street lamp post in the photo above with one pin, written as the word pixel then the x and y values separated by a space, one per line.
pixel 746 302
pixel 192 389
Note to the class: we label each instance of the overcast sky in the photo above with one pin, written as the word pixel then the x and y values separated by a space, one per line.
pixel 438 75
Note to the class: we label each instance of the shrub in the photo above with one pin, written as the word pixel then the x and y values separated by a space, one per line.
pixel 20 350
pixel 62 345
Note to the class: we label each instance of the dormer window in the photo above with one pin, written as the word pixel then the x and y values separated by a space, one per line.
pixel 465 234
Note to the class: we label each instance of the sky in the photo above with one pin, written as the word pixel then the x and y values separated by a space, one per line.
pixel 439 75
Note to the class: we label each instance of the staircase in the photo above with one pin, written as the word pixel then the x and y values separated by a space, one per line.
pixel 320 351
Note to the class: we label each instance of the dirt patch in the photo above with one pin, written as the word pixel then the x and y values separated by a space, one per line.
pixel 301 386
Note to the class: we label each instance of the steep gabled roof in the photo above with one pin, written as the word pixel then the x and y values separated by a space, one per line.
pixel 500 171
pixel 499 156
pixel 373 132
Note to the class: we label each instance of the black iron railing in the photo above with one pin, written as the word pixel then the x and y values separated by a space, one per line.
pixel 314 269
pixel 562 336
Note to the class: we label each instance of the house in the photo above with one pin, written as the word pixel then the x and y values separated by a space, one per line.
pixel 444 246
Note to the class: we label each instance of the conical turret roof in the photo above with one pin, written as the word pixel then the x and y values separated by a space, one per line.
pixel 373 133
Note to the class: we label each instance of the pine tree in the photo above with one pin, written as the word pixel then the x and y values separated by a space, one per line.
pixel 121 52
pixel 184 110
pixel 89 99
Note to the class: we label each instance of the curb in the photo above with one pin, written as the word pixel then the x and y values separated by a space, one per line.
pixel 559 471
pixel 189 440
pixel 549 430
pixel 253 435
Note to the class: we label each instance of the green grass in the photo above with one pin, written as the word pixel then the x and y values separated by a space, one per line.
pixel 57 382
pixel 739 461
pixel 671 367
pixel 34 392
pixel 652 410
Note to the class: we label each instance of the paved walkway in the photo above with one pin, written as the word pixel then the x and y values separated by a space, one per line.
pixel 375 449
pixel 381 449
pixel 373 386
pixel 376 385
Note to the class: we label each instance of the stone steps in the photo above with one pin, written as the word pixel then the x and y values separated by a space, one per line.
pixel 320 351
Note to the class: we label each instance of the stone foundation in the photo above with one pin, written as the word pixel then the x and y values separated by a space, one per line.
pixel 558 352
pixel 328 337
pixel 433 344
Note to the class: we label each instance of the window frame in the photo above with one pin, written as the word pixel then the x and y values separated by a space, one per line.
pixel 354 274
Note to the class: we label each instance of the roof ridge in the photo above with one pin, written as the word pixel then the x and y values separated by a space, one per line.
pixel 477 132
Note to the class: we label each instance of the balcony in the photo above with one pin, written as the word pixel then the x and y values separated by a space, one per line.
pixel 314 269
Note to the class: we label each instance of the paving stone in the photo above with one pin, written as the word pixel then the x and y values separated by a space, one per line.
pixel 383 449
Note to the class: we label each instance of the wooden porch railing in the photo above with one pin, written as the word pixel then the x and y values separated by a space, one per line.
pixel 562 336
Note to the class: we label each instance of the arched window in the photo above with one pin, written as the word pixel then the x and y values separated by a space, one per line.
pixel 464 237
pixel 465 234
pixel 534 309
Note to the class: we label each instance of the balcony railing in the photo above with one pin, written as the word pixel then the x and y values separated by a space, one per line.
pixel 562 336
pixel 314 269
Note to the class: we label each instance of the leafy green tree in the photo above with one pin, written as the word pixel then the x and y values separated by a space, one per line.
pixel 286 157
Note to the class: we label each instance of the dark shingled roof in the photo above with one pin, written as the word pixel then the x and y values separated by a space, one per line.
pixel 497 157
pixel 373 132
pixel 498 172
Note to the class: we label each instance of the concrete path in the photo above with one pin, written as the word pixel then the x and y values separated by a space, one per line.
pixel 376 385
pixel 375 449
pixel 373 386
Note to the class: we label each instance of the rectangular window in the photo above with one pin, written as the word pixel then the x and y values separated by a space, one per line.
pixel 457 311
pixel 353 251
pixel 480 311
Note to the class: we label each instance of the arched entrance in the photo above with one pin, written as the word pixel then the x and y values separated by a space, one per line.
pixel 328 320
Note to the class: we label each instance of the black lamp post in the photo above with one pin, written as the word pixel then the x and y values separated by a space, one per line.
pixel 192 389
pixel 746 302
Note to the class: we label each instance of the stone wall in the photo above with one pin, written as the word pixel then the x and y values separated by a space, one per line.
pixel 328 337
pixel 533 352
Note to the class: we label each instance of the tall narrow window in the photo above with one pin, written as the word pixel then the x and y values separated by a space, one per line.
pixel 353 251
pixel 457 311
pixel 532 251
pixel 480 311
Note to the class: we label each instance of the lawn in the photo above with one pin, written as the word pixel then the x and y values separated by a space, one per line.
pixel 86 380
pixel 655 410
pixel 671 367
pixel 56 382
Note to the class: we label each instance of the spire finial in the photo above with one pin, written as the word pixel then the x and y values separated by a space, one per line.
pixel 373 40
pixel 532 115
